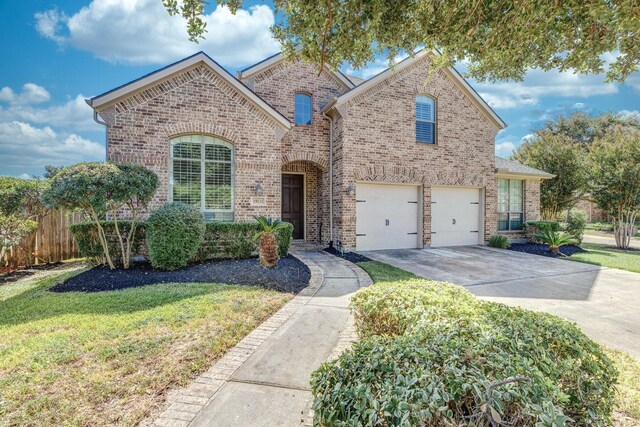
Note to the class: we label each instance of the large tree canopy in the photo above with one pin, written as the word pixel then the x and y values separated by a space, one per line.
pixel 502 39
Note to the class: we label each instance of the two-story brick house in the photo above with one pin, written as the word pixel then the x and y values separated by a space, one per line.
pixel 395 161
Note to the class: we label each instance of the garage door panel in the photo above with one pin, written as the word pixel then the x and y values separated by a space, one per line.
pixel 455 216
pixel 386 216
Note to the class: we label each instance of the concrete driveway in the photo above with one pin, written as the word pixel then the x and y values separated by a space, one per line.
pixel 604 302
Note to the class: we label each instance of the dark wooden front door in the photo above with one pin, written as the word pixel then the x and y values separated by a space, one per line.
pixel 293 203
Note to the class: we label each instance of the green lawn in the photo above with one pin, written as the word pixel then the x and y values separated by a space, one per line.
pixel 627 413
pixel 608 257
pixel 108 358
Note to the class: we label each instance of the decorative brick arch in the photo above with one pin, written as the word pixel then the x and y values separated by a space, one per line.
pixel 381 172
pixel 305 156
pixel 190 128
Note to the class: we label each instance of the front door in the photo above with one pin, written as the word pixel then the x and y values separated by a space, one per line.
pixel 293 203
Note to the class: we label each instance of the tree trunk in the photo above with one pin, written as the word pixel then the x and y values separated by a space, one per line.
pixel 268 250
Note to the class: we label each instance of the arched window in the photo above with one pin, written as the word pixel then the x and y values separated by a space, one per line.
pixel 202 175
pixel 425 119
pixel 303 110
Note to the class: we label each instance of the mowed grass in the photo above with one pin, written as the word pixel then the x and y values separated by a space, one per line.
pixel 78 359
pixel 607 256
pixel 627 411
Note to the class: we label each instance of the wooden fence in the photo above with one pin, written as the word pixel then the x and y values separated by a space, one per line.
pixel 53 241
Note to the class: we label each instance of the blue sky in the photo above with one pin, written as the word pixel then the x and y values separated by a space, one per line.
pixel 55 55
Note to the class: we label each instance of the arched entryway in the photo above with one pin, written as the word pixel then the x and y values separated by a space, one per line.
pixel 303 199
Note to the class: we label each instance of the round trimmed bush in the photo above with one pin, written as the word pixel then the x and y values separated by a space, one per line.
pixel 174 233
pixel 432 354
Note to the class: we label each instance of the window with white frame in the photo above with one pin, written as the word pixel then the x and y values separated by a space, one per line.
pixel 510 204
pixel 303 112
pixel 202 175
pixel 425 119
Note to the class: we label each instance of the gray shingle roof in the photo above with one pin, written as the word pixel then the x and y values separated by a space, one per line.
pixel 356 80
pixel 513 167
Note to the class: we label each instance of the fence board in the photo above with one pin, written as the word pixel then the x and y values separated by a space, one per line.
pixel 53 241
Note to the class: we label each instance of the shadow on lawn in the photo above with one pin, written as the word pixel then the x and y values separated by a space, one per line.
pixel 38 303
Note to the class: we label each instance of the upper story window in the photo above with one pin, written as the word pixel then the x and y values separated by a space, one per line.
pixel 202 175
pixel 510 204
pixel 303 112
pixel 425 119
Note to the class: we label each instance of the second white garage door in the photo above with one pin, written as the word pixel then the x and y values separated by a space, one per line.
pixel 455 216
pixel 386 216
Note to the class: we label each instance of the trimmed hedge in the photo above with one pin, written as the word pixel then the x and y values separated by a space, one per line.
pixel 430 352
pixel 235 240
pixel 85 235
pixel 174 234
pixel 222 240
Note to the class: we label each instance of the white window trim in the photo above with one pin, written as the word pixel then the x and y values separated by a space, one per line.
pixel 509 211
pixel 435 118
pixel 203 161
pixel 310 108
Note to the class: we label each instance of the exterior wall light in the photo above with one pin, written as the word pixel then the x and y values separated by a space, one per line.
pixel 351 190
pixel 258 189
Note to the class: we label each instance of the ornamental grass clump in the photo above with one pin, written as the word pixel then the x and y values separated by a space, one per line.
pixel 431 354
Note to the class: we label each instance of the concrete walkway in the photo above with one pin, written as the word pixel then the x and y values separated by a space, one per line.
pixel 608 240
pixel 602 301
pixel 268 384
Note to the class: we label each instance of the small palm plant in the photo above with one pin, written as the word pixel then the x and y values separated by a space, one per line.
pixel 554 239
pixel 268 246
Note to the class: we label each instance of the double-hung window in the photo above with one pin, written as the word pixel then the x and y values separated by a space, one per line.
pixel 303 111
pixel 510 204
pixel 425 119
pixel 202 175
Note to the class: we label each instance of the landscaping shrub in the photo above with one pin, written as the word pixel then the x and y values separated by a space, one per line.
pixel 431 351
pixel 85 234
pixel 531 228
pixel 174 233
pixel 576 223
pixel 235 240
pixel 499 241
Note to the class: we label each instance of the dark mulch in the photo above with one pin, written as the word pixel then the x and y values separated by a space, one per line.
pixel 542 249
pixel 16 275
pixel 291 275
pixel 353 257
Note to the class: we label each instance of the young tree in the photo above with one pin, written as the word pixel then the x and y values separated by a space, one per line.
pixel 268 245
pixel 502 39
pixel 615 180
pixel 22 211
pixel 557 155
pixel 99 189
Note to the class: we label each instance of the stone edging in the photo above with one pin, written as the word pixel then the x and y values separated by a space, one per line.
pixel 182 405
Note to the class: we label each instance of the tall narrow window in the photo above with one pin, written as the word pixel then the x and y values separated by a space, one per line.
pixel 425 119
pixel 202 175
pixel 303 111
pixel 510 204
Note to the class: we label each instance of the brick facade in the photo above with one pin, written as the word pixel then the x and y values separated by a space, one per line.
pixel 374 139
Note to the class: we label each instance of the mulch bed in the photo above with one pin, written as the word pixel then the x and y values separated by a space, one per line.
pixel 16 275
pixel 542 249
pixel 353 257
pixel 291 275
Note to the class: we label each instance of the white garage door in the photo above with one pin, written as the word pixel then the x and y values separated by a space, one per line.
pixel 455 216
pixel 386 216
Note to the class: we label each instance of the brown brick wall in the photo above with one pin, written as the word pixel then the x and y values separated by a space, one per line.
pixel 314 196
pixel 378 144
pixel 199 102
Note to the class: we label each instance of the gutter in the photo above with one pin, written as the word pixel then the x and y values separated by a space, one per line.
pixel 106 128
pixel 324 114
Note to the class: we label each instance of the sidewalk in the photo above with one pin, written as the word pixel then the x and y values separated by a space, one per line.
pixel 269 384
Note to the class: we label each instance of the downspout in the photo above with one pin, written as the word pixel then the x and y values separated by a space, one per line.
pixel 106 129
pixel 324 114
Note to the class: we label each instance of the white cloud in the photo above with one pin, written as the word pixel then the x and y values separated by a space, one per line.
pixel 538 84
pixel 31 94
pixel 504 149
pixel 24 147
pixel 141 32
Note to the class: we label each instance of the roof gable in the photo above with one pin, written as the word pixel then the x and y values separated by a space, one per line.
pixel 276 59
pixel 115 95
pixel 456 78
